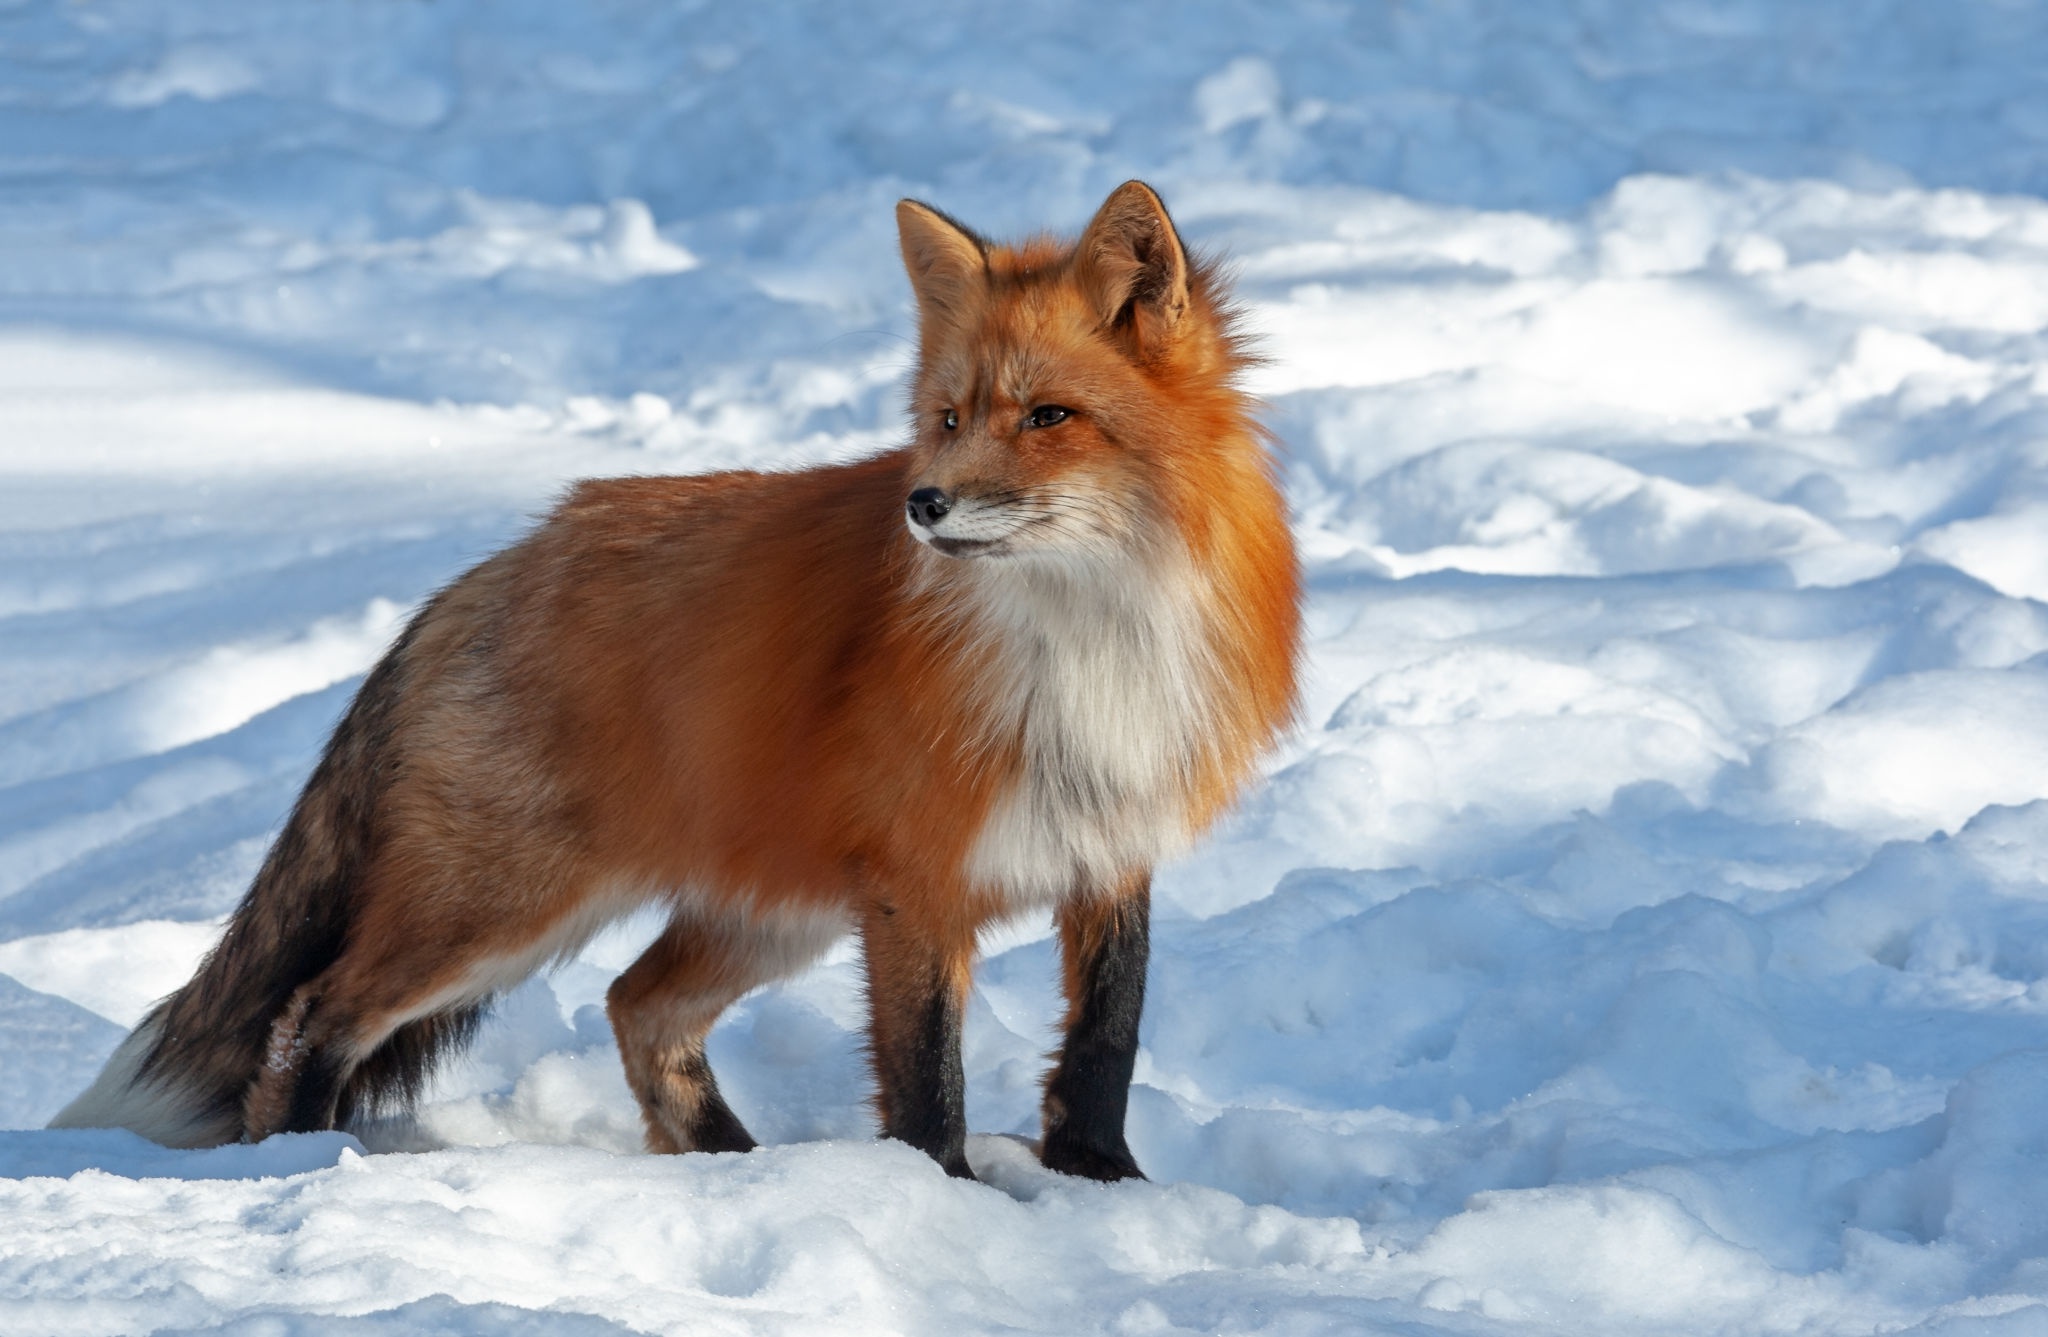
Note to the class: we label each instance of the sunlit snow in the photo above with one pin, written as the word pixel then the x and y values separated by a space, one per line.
pixel 1646 929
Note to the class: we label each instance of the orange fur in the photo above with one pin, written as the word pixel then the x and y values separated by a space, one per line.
pixel 767 699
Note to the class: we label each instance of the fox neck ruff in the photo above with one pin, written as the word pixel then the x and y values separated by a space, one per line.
pixel 1099 688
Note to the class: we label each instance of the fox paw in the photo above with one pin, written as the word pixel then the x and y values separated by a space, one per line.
pixel 1074 1158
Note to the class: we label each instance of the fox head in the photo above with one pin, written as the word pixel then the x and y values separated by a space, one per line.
pixel 1070 400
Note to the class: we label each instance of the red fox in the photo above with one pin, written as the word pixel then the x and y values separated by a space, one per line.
pixel 1006 667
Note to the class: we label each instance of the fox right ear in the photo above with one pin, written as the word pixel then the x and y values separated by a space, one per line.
pixel 948 265
pixel 1133 267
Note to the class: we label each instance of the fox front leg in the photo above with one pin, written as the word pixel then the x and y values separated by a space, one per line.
pixel 1105 942
pixel 918 975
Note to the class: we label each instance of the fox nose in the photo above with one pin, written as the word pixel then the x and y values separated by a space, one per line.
pixel 928 506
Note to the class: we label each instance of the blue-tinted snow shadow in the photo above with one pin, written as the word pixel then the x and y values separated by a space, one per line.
pixel 172 858
pixel 63 1152
pixel 435 1314
pixel 53 1048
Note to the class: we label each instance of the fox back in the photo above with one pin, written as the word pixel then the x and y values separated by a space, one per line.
pixel 1010 665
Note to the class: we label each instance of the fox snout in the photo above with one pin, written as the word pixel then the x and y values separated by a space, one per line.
pixel 970 523
pixel 956 525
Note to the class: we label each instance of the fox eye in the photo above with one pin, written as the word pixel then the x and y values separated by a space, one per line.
pixel 952 419
pixel 1048 415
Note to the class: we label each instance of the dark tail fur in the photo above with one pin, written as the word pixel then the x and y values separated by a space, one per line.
pixel 184 1074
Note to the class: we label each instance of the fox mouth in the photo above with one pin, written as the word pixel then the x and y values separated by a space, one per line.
pixel 967 547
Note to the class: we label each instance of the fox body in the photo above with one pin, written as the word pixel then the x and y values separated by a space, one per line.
pixel 1008 666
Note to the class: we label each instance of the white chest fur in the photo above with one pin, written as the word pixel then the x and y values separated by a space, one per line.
pixel 1106 673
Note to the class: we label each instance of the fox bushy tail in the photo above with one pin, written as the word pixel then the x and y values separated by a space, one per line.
pixel 183 1076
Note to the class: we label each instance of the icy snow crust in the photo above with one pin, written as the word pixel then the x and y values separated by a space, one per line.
pixel 1645 932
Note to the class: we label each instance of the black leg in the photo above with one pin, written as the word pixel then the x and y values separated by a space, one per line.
pixel 917 990
pixel 315 1101
pixel 1104 945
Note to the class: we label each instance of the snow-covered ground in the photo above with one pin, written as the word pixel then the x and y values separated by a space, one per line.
pixel 1647 930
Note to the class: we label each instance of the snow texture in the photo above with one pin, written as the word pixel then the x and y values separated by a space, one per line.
pixel 1645 932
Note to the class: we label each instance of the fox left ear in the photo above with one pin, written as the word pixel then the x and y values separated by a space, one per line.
pixel 1132 266
pixel 947 264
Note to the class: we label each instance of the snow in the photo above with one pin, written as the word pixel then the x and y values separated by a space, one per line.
pixel 1646 930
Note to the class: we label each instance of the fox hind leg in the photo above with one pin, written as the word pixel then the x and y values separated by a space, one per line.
pixel 297 1086
pixel 661 1008
pixel 665 1003
pixel 366 1032
pixel 1105 942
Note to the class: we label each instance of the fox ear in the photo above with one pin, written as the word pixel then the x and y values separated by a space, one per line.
pixel 1132 266
pixel 948 265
